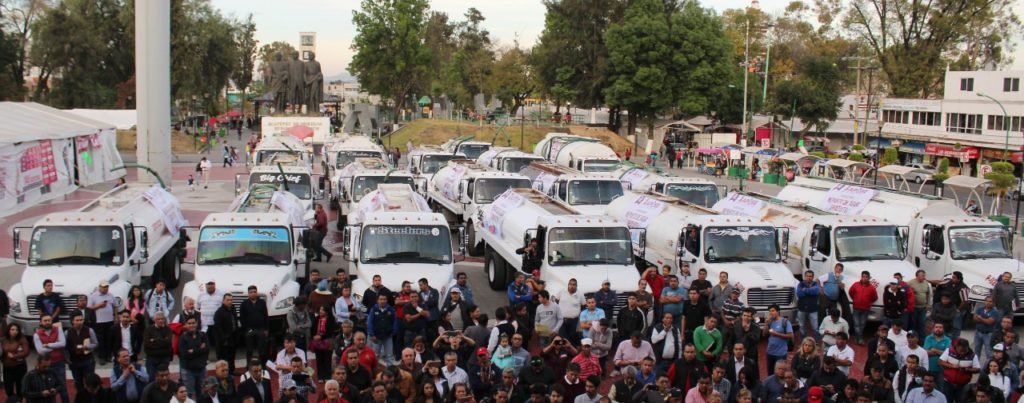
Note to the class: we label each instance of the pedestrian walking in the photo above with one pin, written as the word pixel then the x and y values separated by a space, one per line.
pixel 205 165
pixel 227 157
pixel 319 232
pixel 191 183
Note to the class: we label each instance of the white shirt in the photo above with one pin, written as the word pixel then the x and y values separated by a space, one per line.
pixel 739 367
pixel 105 314
pixel 900 340
pixel 671 342
pixel 844 354
pixel 207 304
pixel 570 304
pixel 973 363
pixel 903 352
pixel 126 338
pixel 456 376
pixel 284 359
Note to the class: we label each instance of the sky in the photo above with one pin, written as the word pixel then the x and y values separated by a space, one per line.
pixel 506 20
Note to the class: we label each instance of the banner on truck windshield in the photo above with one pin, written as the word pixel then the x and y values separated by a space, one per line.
pixel 633 177
pixel 642 211
pixel 846 199
pixel 737 204
pixel 278 126
pixel 499 208
pixel 544 181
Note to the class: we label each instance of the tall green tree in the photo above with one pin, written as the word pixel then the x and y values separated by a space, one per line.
pixel 390 56
pixel 915 40
pixel 511 80
pixel 467 71
pixel 204 53
pixel 701 61
pixel 640 57
pixel 266 56
pixel 17 18
pixel 246 40
pixel 815 92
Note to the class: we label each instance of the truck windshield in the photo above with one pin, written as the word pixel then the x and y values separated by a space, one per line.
pixel 266 157
pixel 405 244
pixel 516 164
pixel 486 189
pixel 979 242
pixel 740 244
pixel 363 185
pixel 72 245
pixel 473 151
pixel 298 184
pixel 244 245
pixel 868 243
pixel 583 246
pixel 594 192
pixel 600 165
pixel 701 195
pixel 347 157
pixel 432 163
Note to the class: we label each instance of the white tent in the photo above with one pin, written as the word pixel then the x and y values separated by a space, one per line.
pixel 46 153
pixel 121 119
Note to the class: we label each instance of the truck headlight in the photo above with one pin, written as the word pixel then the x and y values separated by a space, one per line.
pixel 285 303
pixel 981 290
pixel 15 306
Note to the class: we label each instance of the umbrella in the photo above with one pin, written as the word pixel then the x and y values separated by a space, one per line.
pixel 300 132
pixel 233 114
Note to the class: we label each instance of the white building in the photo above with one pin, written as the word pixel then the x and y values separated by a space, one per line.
pixel 351 92
pixel 927 129
pixel 307 45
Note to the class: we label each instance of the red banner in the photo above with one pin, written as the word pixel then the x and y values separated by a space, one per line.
pixel 946 150
pixel 992 154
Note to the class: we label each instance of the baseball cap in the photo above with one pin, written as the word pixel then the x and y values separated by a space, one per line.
pixel 883 326
pixel 210 382
pixel 288 384
pixel 675 392
pixel 211 282
pixel 587 342
pixel 104 283
pixel 894 281
pixel 455 290
pixel 815 394
pixel 998 347
pixel 481 351
pixel 911 333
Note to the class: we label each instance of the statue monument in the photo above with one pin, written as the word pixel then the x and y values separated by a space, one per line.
pixel 279 82
pixel 314 84
pixel 296 82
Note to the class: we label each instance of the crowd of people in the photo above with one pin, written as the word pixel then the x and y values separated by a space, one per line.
pixel 676 338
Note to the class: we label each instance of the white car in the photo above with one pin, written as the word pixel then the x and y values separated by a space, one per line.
pixel 920 177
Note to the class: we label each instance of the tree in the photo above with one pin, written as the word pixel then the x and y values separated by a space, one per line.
pixel 390 55
pixel 815 92
pixel 701 62
pixel 17 18
pixel 942 172
pixel 266 56
pixel 510 80
pixel 640 59
pixel 914 40
pixel 1002 180
pixel 246 39
pixel 890 156
pixel 204 52
pixel 467 72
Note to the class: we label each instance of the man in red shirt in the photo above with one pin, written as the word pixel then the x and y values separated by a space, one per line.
pixel 319 232
pixel 863 294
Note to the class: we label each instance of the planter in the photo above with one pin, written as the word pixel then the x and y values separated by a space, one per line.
pixel 782 181
pixel 732 171
pixel 771 178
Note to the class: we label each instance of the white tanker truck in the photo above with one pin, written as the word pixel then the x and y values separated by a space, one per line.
pixel 471 149
pixel 507 159
pixel 128 233
pixel 587 193
pixel 589 248
pixel 699 191
pixel 462 187
pixel 749 250
pixel 585 154
pixel 361 177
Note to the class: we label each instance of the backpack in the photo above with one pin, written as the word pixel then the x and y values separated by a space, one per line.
pixel 199 167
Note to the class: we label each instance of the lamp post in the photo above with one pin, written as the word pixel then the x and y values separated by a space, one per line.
pixel 1006 154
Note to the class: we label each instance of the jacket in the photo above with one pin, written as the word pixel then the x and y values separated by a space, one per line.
pixel 36 381
pixel 894 303
pixel 248 388
pixel 74 338
pixel 382 322
pixel 121 381
pixel 193 350
pixel 630 320
pixel 114 338
pixel 224 326
pixel 659 345
pixel 253 315
pixel 863 295
pixel 807 296
pixel 158 341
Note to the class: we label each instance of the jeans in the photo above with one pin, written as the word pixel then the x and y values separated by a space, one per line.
pixel 983 344
pixel 920 315
pixel 13 374
pixel 80 369
pixel 958 325
pixel 954 393
pixel 60 369
pixel 905 319
pixel 384 348
pixel 568 330
pixel 811 319
pixel 860 318
pixel 153 362
pixel 193 380
pixel 256 345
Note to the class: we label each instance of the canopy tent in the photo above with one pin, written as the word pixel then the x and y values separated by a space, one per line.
pixel 122 119
pixel 843 169
pixel 895 177
pixel 976 186
pixel 799 163
pixel 46 153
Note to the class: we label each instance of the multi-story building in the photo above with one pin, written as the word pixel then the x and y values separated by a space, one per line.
pixel 965 125
pixel 307 45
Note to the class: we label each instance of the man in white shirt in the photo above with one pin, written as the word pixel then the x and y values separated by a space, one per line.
pixel 451 370
pixel 897 335
pixel 208 304
pixel 103 304
pixel 831 326
pixel 570 301
pixel 913 347
pixel 843 354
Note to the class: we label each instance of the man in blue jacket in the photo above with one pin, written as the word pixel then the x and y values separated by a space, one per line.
pixel 807 293
pixel 381 326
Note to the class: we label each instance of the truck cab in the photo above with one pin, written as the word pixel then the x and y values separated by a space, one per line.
pixel 589 248
pixel 699 191
pixel 394 234
pixel 507 159
pixel 679 232
pixel 585 154
pixel 463 187
pixel 346 149
pixel 261 240
pixel 127 234
pixel 297 179
pixel 471 149
pixel 360 178
pixel 274 149
pixel 588 193
pixel 424 161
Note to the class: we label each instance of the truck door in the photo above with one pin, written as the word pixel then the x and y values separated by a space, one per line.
pixel 562 190
pixel 929 254
pixel 819 250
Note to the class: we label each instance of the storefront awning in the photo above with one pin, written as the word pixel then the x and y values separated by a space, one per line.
pixel 946 150
pixel 997 155
pixel 912 147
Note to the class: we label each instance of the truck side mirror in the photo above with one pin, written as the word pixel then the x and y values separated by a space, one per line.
pixel 17 245
pixel 925 237
pixel 238 185
pixel 144 247
pixel 346 237
pixel 414 171
pixel 904 239
pixel 322 182
pixel 463 240
pixel 723 191
pixel 642 244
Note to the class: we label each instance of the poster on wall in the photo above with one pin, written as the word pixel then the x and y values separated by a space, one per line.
pixel 33 172
pixel 95 156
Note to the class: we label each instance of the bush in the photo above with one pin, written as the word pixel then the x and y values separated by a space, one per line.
pixel 889 157
pixel 942 172
pixel 858 147
pixel 857 157
pixel 818 154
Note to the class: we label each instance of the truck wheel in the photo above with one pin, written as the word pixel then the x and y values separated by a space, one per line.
pixel 495 275
pixel 342 219
pixel 473 249
pixel 172 269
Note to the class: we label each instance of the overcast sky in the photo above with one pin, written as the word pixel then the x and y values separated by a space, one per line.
pixel 507 20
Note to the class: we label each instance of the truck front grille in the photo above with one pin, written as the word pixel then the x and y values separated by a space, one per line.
pixel 761 298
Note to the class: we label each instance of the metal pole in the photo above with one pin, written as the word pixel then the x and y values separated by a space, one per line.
pixel 767 63
pixel 1006 124
pixel 856 123
pixel 746 77
pixel 522 127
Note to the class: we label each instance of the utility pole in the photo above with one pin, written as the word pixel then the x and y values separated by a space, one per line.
pixel 746 77
pixel 767 63
pixel 860 129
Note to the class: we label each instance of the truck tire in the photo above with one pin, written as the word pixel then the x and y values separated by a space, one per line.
pixel 495 275
pixel 172 269
pixel 473 249
pixel 342 219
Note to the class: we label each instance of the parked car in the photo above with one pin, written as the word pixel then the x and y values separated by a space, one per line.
pixel 920 177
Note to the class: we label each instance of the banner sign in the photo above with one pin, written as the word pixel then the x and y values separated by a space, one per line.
pixel 544 181
pixel 846 199
pixel 633 177
pixel 737 204
pixel 499 208
pixel 278 126
pixel 642 211
pixel 290 204
pixel 167 204
pixel 450 186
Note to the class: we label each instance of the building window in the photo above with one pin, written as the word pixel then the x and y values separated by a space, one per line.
pixel 996 122
pixel 966 84
pixel 1011 84
pixel 926 118
pixel 894 116
pixel 963 123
